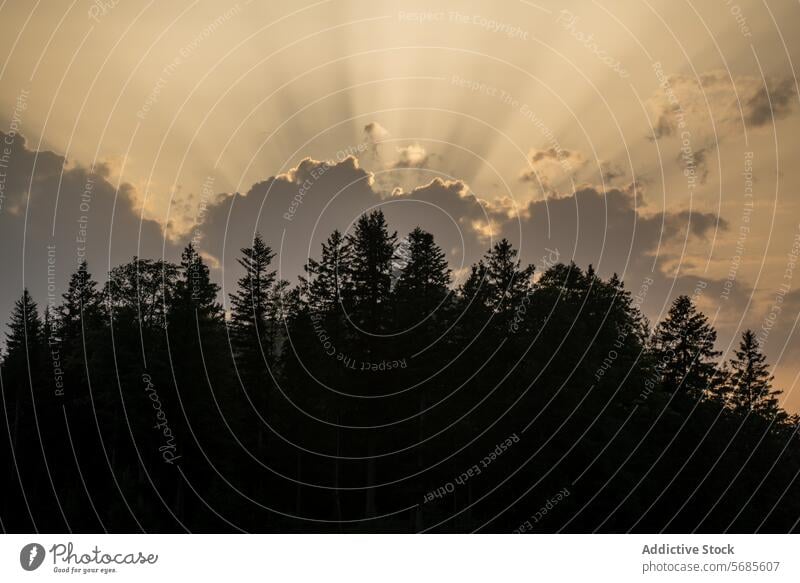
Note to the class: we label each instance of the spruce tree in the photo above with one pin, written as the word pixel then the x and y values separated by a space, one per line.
pixel 24 336
pixel 25 350
pixel 683 349
pixel 250 303
pixel 252 330
pixel 424 279
pixel 507 281
pixel 371 260
pixel 81 303
pixel 195 293
pixel 329 280
pixel 750 382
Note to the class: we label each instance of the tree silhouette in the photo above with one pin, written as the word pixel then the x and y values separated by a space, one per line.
pixel 684 349
pixel 372 248
pixel 423 280
pixel 375 384
pixel 749 385
pixel 250 305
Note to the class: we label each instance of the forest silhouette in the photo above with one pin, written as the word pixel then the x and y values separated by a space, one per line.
pixel 376 395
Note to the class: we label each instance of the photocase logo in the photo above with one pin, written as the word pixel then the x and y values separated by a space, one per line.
pixel 31 556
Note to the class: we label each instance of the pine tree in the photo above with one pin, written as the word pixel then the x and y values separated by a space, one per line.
pixel 371 263
pixel 22 365
pixel 424 278
pixel 507 282
pixel 329 280
pixel 750 383
pixel 250 303
pixel 683 349
pixel 25 331
pixel 253 331
pixel 569 281
pixel 473 289
pixel 194 291
pixel 81 303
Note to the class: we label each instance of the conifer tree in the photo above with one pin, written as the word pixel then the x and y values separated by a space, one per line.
pixel 81 303
pixel 24 335
pixel 371 265
pixel 194 291
pixel 506 280
pixel 329 280
pixel 683 349
pixel 250 304
pixel 424 279
pixel 750 382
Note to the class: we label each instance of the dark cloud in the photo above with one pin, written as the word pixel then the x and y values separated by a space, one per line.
pixel 696 161
pixel 717 94
pixel 49 222
pixel 303 206
pixel 663 127
pixel 295 211
pixel 775 101
pixel 374 134
pixel 18 170
pixel 604 229
pixel 550 153
pixel 300 207
pixel 610 171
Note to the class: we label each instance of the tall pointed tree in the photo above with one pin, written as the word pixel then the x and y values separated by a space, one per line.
pixel 24 350
pixel 252 330
pixel 250 303
pixel 507 282
pixel 473 288
pixel 24 332
pixel 329 279
pixel 750 382
pixel 424 279
pixel 81 303
pixel 195 293
pixel 372 251
pixel 683 349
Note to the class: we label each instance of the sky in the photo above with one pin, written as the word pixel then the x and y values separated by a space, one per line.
pixel 657 140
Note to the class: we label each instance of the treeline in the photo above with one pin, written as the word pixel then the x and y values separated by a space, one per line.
pixel 375 395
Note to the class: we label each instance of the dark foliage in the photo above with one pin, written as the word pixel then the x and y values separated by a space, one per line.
pixel 377 395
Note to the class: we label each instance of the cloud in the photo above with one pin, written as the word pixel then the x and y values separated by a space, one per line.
pixel 775 100
pixel 552 168
pixel 695 160
pixel 450 210
pixel 296 210
pixel 610 171
pixel 605 228
pixel 20 174
pixel 54 214
pixel 664 251
pixel 374 134
pixel 302 206
pixel 712 101
pixel 552 154
pixel 412 156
